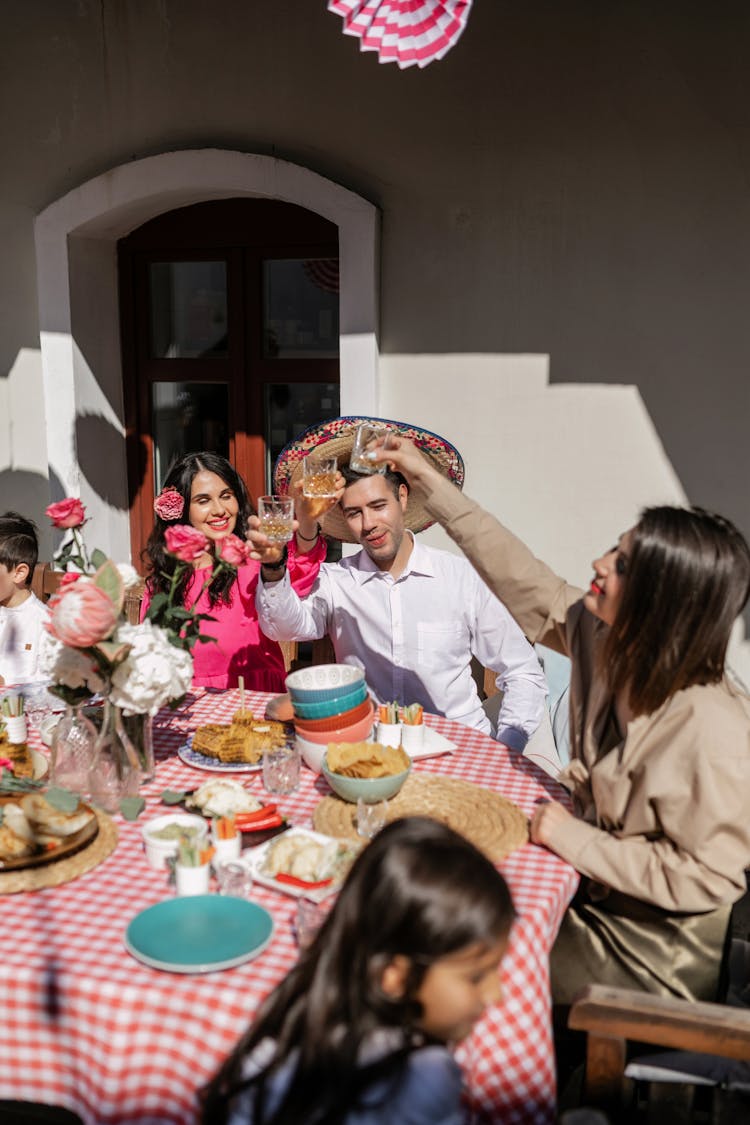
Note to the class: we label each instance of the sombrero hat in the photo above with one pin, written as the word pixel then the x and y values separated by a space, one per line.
pixel 335 438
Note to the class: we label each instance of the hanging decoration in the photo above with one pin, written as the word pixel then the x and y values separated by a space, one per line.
pixel 407 32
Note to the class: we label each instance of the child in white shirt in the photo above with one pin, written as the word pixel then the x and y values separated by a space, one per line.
pixel 22 614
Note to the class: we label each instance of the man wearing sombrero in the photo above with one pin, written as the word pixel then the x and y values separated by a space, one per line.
pixel 412 616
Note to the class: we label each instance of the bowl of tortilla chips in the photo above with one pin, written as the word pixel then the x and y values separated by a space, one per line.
pixel 365 770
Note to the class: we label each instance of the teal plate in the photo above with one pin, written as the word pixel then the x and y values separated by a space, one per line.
pixel 199 933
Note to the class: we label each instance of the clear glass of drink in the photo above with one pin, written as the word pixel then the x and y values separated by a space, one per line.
pixel 235 879
pixel 276 514
pixel 364 442
pixel 371 817
pixel 309 918
pixel 281 769
pixel 319 476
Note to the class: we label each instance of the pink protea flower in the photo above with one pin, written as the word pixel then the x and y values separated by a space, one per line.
pixel 67 513
pixel 169 504
pixel 232 550
pixel 185 543
pixel 81 614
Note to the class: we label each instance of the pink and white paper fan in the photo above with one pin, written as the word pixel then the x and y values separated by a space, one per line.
pixel 408 32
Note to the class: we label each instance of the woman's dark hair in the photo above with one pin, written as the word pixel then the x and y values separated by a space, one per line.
pixel 419 890
pixel 687 578
pixel 180 477
pixel 18 543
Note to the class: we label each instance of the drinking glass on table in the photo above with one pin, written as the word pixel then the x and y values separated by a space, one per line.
pixel 364 442
pixel 281 767
pixel 235 879
pixel 371 817
pixel 276 514
pixel 319 476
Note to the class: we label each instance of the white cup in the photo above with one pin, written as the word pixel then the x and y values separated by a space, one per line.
pixel 224 850
pixel 192 880
pixel 388 734
pixel 15 728
pixel 412 736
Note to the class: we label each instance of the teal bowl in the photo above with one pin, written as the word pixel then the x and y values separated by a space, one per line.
pixel 369 789
pixel 323 681
pixel 324 708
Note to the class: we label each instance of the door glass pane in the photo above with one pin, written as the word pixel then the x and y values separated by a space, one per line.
pixel 289 408
pixel 187 417
pixel 301 308
pixel 188 307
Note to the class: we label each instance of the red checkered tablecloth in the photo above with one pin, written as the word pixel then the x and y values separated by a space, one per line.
pixel 86 1026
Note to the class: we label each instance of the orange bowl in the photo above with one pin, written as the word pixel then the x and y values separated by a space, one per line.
pixel 354 732
pixel 335 722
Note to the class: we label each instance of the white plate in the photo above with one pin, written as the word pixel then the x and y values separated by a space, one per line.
pixel 256 859
pixel 201 762
pixel 435 744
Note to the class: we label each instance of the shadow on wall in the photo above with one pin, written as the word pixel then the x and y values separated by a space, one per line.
pixel 101 458
pixel 30 493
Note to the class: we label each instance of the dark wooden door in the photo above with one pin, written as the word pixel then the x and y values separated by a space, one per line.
pixel 229 314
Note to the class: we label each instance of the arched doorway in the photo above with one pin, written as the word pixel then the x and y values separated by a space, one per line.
pixel 230 318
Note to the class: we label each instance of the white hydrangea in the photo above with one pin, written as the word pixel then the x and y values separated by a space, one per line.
pixel 71 667
pixel 130 576
pixel 153 672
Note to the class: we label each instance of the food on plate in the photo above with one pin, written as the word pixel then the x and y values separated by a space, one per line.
pixel 32 825
pixel 366 759
pixel 222 797
pixel 238 742
pixel 307 859
pixel 19 755
pixel 243 717
pixel 175 831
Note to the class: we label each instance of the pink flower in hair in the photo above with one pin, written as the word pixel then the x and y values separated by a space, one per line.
pixel 67 513
pixel 232 550
pixel 185 543
pixel 169 504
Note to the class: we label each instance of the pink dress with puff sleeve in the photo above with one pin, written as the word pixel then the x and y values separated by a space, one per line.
pixel 240 648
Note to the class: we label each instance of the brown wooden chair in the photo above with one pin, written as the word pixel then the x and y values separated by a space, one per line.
pixel 45 581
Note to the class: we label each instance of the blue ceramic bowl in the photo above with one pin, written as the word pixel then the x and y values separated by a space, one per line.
pixel 323 681
pixel 323 708
pixel 370 789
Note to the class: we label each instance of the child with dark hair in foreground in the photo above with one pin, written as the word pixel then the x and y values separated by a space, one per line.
pixel 22 615
pixel 404 965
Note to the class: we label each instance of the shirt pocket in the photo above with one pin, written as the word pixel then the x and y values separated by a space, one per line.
pixel 435 642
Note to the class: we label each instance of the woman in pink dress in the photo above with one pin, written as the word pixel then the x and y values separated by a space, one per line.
pixel 214 500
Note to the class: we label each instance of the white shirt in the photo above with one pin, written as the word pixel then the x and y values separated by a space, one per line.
pixel 415 636
pixel 21 629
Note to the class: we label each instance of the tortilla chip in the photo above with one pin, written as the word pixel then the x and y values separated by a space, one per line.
pixel 366 759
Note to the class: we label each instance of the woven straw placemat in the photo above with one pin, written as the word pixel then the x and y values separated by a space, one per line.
pixel 64 870
pixel 493 824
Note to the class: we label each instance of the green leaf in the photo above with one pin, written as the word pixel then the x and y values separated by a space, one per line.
pixel 155 606
pixel 112 651
pixel 62 799
pixel 108 578
pixel 132 807
pixel 172 797
pixel 98 558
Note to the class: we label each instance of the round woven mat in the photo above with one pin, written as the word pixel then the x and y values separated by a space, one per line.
pixel 65 870
pixel 493 824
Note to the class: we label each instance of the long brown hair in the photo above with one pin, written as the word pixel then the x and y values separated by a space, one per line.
pixel 419 890
pixel 687 578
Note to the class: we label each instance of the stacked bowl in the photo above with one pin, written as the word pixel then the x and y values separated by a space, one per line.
pixel 331 704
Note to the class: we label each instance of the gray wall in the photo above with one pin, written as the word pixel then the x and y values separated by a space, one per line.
pixel 572 178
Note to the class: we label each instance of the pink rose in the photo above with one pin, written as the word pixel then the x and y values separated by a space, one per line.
pixel 68 578
pixel 169 504
pixel 185 543
pixel 232 550
pixel 67 513
pixel 81 614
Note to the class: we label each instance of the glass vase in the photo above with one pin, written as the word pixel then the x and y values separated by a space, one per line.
pixel 115 771
pixel 73 742
pixel 140 731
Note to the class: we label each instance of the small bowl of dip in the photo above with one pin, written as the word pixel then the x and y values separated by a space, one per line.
pixel 161 835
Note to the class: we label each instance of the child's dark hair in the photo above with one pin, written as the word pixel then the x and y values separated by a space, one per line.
pixel 687 578
pixel 419 890
pixel 394 479
pixel 180 477
pixel 18 543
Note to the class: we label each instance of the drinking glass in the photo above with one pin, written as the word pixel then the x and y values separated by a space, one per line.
pixel 276 514
pixel 319 476
pixel 364 441
pixel 235 879
pixel 281 769
pixel 308 919
pixel 371 817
